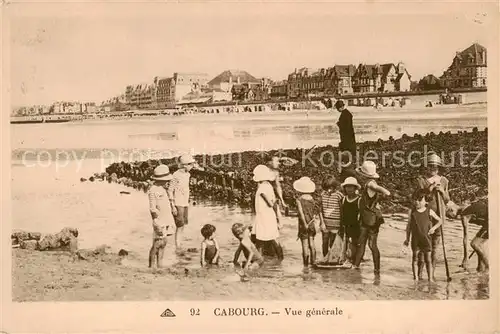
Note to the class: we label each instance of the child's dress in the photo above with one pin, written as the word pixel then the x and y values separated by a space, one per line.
pixel 350 217
pixel 420 225
pixel 265 224
pixel 210 251
pixel 159 204
pixel 308 208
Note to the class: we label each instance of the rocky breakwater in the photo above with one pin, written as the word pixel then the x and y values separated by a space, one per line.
pixel 228 178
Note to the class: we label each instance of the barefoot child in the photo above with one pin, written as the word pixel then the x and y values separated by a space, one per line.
pixel 331 199
pixel 306 208
pixel 420 229
pixel 253 258
pixel 349 213
pixel 266 221
pixel 369 213
pixel 209 246
pixel 163 220
pixel 437 185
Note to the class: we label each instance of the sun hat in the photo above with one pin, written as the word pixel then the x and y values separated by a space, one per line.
pixel 433 159
pixel 368 169
pixel 304 185
pixel 161 173
pixel 187 159
pixel 350 181
pixel 263 173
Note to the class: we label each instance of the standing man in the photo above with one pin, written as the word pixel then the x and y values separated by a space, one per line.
pixel 178 193
pixel 347 145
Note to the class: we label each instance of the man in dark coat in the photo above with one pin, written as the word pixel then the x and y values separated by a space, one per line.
pixel 347 145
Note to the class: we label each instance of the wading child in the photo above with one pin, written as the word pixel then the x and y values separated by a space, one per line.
pixel 370 216
pixel 437 186
pixel 420 229
pixel 266 222
pixel 161 214
pixel 209 246
pixel 253 258
pixel 178 192
pixel 349 213
pixel 307 211
pixel 331 200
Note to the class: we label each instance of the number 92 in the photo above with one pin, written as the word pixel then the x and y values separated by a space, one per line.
pixel 194 311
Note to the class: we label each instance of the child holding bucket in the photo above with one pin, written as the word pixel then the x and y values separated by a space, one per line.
pixel 370 216
pixel 161 214
pixel 307 211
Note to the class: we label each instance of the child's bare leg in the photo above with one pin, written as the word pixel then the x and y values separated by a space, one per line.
pixel 312 250
pixel 482 257
pixel 428 266
pixel 420 260
pixel 305 251
pixel 153 253
pixel 414 261
pixel 178 237
pixel 161 250
pixel 325 238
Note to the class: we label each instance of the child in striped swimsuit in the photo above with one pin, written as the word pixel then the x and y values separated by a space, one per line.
pixel 331 201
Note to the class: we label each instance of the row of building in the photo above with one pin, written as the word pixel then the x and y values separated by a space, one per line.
pixel 467 70
pixel 57 108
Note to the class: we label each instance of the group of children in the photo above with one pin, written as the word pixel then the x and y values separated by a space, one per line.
pixel 349 210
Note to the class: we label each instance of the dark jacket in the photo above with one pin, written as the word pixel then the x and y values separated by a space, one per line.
pixel 346 130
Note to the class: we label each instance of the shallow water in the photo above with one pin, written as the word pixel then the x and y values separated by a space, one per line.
pixel 47 196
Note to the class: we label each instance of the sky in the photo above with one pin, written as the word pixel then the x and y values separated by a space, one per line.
pixel 93 58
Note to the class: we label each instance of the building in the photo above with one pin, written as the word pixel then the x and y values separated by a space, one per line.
pixel 227 79
pixel 381 78
pixel 185 83
pixel 279 90
pixel 298 83
pixel 429 82
pixel 339 79
pixel 164 92
pixel 468 69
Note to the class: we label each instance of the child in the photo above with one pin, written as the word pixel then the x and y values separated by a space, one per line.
pixel 178 191
pixel 306 208
pixel 420 230
pixel 159 207
pixel 252 255
pixel 437 186
pixel 349 216
pixel 209 246
pixel 369 214
pixel 266 223
pixel 331 199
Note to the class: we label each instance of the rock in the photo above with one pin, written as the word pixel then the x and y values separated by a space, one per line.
pixel 20 236
pixel 102 249
pixel 124 192
pixel 82 179
pixel 91 179
pixel 122 252
pixel 29 244
pixel 65 240
pixel 35 235
pixel 192 250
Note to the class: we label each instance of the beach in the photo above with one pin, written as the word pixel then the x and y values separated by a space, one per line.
pixel 46 199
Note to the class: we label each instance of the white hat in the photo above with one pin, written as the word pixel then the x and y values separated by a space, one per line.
pixel 304 185
pixel 161 173
pixel 351 181
pixel 186 159
pixel 368 169
pixel 263 173
pixel 433 159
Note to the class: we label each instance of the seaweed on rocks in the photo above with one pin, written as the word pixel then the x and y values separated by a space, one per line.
pixel 228 178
